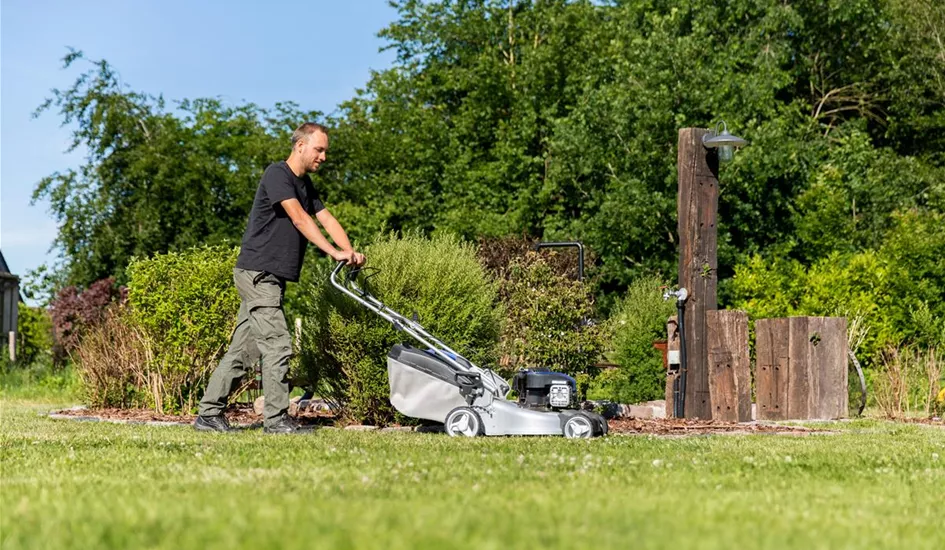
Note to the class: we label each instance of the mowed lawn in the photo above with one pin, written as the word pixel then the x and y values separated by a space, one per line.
pixel 68 484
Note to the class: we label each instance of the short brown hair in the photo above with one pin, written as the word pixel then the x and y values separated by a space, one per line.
pixel 307 129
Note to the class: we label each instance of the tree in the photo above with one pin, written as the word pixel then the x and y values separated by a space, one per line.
pixel 155 179
pixel 559 119
pixel 554 119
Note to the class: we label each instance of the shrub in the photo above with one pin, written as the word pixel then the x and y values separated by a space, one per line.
pixel 34 334
pixel 549 321
pixel 344 346
pixel 885 287
pixel 908 381
pixel 639 319
pixel 500 253
pixel 112 362
pixel 75 311
pixel 185 305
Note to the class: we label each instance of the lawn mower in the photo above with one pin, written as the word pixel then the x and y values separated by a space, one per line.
pixel 437 383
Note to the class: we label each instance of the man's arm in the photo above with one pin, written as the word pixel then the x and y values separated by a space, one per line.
pixel 307 226
pixel 333 228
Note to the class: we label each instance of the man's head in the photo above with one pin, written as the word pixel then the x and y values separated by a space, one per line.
pixel 309 145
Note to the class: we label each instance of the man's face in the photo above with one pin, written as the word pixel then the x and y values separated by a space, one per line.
pixel 312 150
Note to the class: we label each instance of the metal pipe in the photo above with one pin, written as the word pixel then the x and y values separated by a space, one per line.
pixel 680 404
pixel 679 384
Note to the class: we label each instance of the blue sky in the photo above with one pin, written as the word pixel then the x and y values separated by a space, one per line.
pixel 315 52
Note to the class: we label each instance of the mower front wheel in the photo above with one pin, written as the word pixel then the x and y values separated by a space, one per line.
pixel 579 426
pixel 463 422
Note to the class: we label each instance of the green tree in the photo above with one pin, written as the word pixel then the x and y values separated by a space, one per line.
pixel 556 119
pixel 155 179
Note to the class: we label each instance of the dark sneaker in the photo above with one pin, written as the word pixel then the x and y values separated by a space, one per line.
pixel 216 423
pixel 284 425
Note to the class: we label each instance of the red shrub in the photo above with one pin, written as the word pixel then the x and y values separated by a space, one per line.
pixel 75 312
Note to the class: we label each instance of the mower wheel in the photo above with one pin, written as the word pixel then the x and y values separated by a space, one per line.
pixel 463 421
pixel 579 426
pixel 604 427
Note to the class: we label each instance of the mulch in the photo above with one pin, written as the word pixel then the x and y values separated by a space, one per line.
pixel 685 427
pixel 243 415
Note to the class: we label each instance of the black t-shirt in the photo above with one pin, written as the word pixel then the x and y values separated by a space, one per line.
pixel 271 242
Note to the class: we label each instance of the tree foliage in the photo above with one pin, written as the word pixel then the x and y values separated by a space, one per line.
pixel 559 120
pixel 155 178
pixel 556 120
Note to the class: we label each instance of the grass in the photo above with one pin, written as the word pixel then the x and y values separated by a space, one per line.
pixel 67 484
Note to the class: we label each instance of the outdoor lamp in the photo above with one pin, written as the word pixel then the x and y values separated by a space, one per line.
pixel 724 141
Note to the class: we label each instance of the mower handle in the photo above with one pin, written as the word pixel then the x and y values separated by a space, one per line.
pixel 352 274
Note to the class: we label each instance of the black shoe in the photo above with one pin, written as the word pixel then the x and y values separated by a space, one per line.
pixel 284 425
pixel 216 423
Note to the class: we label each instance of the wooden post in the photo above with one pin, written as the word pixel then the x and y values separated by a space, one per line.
pixel 801 368
pixel 771 368
pixel 729 368
pixel 12 338
pixel 828 360
pixel 697 210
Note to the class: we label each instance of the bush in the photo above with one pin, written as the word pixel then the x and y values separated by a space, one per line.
pixel 34 334
pixel 908 381
pixel 848 285
pixel 500 253
pixel 185 306
pixel 112 362
pixel 886 287
pixel 74 312
pixel 639 319
pixel 344 346
pixel 550 319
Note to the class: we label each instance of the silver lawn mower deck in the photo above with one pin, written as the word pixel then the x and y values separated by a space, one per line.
pixel 439 384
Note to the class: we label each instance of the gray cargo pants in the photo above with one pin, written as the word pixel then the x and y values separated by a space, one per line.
pixel 260 326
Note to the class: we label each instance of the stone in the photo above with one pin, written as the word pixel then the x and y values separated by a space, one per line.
pixel 361 428
pixel 636 411
pixel 258 404
pixel 315 405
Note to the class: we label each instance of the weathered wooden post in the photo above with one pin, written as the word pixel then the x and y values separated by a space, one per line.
pixel 801 368
pixel 697 209
pixel 729 365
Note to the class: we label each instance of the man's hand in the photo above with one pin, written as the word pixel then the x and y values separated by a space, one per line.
pixel 350 257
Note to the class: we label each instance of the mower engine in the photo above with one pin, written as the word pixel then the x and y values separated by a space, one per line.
pixel 544 390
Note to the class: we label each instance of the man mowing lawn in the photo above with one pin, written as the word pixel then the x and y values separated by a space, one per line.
pixel 279 230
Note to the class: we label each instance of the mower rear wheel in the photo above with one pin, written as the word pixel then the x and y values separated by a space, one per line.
pixel 463 422
pixel 579 426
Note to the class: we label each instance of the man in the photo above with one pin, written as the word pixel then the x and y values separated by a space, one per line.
pixel 279 229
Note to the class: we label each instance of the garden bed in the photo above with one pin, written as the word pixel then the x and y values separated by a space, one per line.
pixel 685 427
pixel 244 415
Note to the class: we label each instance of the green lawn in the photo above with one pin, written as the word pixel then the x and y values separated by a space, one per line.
pixel 68 484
